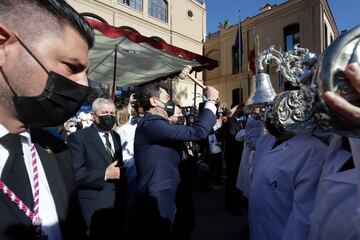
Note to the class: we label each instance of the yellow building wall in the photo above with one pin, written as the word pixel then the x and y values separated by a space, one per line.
pixel 180 30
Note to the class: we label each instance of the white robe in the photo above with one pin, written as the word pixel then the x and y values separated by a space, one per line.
pixel 336 198
pixel 284 186
pixel 254 128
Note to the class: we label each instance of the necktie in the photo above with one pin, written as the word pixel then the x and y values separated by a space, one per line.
pixel 14 174
pixel 108 145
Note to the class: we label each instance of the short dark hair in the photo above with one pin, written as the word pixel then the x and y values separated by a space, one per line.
pixel 12 11
pixel 147 91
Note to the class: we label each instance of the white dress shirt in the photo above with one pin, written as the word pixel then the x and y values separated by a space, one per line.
pixel 103 139
pixel 211 106
pixel 47 208
pixel 127 136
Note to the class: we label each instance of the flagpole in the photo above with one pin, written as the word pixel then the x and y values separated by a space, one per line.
pixel 270 62
pixel 240 42
pixel 240 54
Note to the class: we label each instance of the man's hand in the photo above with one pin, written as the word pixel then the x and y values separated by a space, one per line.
pixel 112 171
pixel 339 104
pixel 132 98
pixel 232 111
pixel 211 93
pixel 235 110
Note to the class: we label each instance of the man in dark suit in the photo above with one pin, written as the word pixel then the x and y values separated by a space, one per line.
pixel 97 157
pixel 43 83
pixel 233 151
pixel 157 155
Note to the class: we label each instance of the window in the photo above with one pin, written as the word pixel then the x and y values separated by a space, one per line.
pixel 190 14
pixel 235 97
pixel 325 35
pixel 136 4
pixel 291 36
pixel 158 9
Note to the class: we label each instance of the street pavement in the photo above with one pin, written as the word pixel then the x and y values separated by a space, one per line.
pixel 213 221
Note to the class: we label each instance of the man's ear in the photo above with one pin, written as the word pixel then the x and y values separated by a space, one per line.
pixel 152 101
pixel 92 116
pixel 7 37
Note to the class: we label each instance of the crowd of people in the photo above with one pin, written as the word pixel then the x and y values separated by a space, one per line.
pixel 129 170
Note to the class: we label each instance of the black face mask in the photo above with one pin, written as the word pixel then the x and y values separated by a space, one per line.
pixel 169 107
pixel 106 122
pixel 58 102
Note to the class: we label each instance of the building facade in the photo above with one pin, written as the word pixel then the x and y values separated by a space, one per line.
pixel 181 23
pixel 309 23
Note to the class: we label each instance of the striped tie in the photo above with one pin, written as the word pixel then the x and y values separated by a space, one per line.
pixel 108 145
pixel 36 180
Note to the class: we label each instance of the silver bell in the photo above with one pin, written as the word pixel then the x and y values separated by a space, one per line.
pixel 263 92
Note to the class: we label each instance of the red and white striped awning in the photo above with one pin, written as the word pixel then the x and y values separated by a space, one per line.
pixel 135 59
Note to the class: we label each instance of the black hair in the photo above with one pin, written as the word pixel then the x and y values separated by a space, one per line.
pixel 62 12
pixel 270 127
pixel 147 91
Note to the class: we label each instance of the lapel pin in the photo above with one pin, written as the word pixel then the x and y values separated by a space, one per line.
pixel 48 150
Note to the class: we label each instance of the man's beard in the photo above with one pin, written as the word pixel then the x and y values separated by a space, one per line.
pixel 17 81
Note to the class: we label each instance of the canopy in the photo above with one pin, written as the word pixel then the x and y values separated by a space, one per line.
pixel 135 59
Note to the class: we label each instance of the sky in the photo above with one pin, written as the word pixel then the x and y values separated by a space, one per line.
pixel 346 12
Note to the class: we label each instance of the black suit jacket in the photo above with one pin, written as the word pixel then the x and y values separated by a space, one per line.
pixel 90 160
pixel 55 159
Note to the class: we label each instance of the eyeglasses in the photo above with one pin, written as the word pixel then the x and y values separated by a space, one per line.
pixel 72 126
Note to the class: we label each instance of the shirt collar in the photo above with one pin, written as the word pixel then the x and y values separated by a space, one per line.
pixel 3 130
pixel 25 135
pixel 101 132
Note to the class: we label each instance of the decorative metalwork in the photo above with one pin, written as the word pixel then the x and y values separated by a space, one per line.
pixel 292 111
pixel 329 76
pixel 305 110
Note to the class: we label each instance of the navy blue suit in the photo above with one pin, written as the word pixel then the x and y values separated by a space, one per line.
pixel 157 151
pixel 98 197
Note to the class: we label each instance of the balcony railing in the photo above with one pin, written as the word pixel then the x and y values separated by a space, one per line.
pixel 212 35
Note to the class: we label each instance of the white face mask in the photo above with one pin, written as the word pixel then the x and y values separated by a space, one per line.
pixel 72 129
